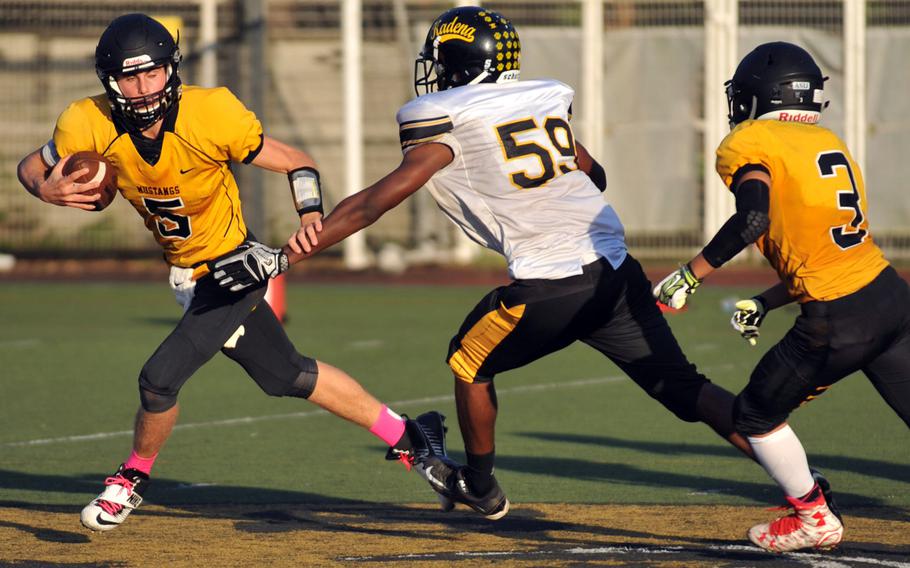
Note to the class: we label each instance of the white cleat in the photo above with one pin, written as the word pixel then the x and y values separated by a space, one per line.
pixel 122 493
pixel 811 525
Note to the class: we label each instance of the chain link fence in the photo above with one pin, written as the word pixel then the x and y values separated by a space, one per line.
pixel 284 59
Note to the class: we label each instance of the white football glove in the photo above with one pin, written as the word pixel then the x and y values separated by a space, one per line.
pixel 748 317
pixel 183 285
pixel 674 290
pixel 248 264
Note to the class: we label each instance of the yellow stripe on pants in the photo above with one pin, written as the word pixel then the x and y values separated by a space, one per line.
pixel 481 339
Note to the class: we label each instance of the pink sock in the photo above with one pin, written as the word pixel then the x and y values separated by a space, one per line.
pixel 388 427
pixel 140 463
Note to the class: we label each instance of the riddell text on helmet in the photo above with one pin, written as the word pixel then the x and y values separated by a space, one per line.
pixel 785 116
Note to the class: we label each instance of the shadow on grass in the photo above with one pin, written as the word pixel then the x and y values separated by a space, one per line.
pixel 634 476
pixel 258 510
pixel 162 491
pixel 47 534
pixel 872 468
pixel 158 321
pixel 534 534
pixel 264 510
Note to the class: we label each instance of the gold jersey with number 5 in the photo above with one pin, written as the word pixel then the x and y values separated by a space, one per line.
pixel 189 197
pixel 818 241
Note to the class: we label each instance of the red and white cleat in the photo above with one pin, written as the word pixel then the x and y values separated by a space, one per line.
pixel 811 525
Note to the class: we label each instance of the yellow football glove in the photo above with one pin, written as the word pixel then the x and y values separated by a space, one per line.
pixel 748 317
pixel 674 290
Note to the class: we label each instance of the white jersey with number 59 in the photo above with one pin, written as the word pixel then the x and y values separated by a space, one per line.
pixel 514 185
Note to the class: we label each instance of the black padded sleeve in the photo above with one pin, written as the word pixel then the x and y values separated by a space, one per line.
pixel 745 226
pixel 746 169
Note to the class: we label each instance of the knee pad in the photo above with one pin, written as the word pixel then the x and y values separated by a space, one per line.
pixel 300 382
pixel 754 417
pixel 679 395
pixel 166 371
pixel 156 402
pixel 305 383
pixel 296 377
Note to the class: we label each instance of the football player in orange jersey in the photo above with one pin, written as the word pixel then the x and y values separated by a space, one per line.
pixel 800 198
pixel 173 147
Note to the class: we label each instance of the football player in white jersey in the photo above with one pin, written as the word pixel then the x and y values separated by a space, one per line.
pixel 500 159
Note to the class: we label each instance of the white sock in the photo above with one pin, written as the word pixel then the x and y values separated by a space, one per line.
pixel 783 457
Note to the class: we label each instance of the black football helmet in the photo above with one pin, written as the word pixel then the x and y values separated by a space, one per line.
pixel 778 81
pixel 133 43
pixel 466 46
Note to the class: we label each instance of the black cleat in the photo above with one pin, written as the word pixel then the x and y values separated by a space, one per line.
pixel 825 486
pixel 428 437
pixel 448 479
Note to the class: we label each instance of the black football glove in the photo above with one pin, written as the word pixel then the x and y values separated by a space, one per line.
pixel 248 264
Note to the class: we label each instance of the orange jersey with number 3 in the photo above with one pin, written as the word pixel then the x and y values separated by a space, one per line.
pixel 818 241
pixel 189 197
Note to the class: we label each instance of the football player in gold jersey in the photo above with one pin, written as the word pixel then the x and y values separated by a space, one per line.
pixel 800 198
pixel 173 147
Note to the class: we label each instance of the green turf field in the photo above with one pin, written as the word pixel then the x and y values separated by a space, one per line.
pixel 571 428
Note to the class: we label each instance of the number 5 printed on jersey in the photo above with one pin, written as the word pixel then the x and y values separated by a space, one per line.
pixel 167 223
pixel 556 157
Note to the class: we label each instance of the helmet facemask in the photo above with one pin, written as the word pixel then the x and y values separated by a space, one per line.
pixel 426 72
pixel 739 108
pixel 143 111
pixel 132 44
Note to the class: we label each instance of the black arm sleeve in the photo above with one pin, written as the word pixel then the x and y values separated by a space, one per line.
pixel 598 176
pixel 745 226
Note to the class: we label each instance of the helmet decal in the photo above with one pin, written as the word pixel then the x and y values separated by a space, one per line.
pixel 776 81
pixel 137 62
pixel 453 30
pixel 467 46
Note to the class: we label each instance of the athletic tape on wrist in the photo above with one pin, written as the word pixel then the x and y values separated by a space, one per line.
pixel 306 190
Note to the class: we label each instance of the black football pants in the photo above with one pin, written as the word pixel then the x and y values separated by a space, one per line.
pixel 612 310
pixel 258 343
pixel 867 331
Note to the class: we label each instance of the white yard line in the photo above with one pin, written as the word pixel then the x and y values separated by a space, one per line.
pixel 306 414
pixel 20 343
pixel 812 560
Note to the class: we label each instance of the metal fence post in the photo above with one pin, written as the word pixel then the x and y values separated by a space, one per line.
pixel 855 79
pixel 355 251
pixel 592 76
pixel 721 23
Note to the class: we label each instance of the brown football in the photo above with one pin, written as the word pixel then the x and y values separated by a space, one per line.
pixel 100 169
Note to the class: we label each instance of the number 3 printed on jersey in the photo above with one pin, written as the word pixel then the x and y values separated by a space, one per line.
pixel 556 157
pixel 849 235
